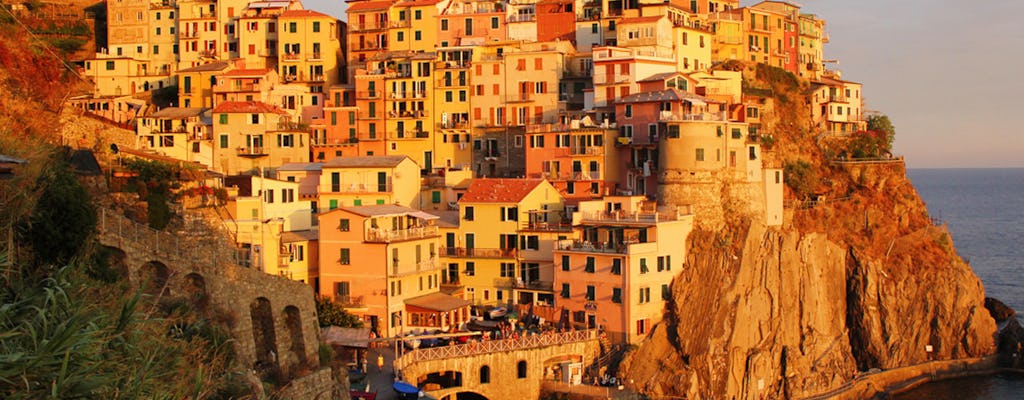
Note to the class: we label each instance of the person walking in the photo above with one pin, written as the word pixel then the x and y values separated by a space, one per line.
pixel 380 362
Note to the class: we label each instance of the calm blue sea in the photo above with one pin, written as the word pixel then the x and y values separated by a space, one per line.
pixel 985 212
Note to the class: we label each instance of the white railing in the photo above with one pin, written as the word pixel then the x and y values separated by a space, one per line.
pixel 380 235
pixel 494 346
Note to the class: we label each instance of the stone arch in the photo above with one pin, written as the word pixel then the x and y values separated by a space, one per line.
pixel 440 380
pixel 469 396
pixel 194 290
pixel 293 323
pixel 263 335
pixel 117 261
pixel 153 277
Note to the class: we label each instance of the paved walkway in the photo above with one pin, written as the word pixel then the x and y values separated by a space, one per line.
pixel 380 381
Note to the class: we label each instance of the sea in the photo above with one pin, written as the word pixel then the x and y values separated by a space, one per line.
pixel 984 209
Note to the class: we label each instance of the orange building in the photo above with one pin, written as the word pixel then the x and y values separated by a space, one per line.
pixel 470 23
pixel 381 263
pixel 580 161
pixel 367 31
pixel 556 20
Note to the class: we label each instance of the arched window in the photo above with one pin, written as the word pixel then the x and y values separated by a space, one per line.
pixel 485 374
pixel 521 370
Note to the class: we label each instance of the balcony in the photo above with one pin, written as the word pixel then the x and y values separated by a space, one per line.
pixel 451 64
pixel 408 114
pixel 518 98
pixel 377 235
pixel 669 116
pixel 188 35
pixel 398 270
pixel 453 125
pixel 169 129
pixel 368 26
pixel 623 247
pixel 412 94
pixel 209 53
pixel 646 218
pixel 476 252
pixel 369 115
pixel 453 82
pixel 835 98
pixel 733 40
pixel 252 151
pixel 402 23
pixel 238 86
pixel 522 18
pixel 371 94
pixel 586 150
pixel 361 188
pixel 314 57
pixel 540 226
pixel 351 302
pixel 410 134
pixel 291 57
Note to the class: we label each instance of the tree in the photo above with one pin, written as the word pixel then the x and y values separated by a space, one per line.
pixel 330 313
pixel 880 124
pixel 63 217
pixel 801 178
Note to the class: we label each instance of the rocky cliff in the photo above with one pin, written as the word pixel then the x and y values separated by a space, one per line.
pixel 861 279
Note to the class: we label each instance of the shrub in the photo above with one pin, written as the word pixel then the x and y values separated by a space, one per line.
pixel 801 177
pixel 330 313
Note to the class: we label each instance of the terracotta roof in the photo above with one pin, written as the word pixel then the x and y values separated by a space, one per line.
pixel 303 14
pixel 368 5
pixel 298 236
pixel 660 77
pixel 177 113
pixel 417 3
pixel 248 72
pixel 499 190
pixel 640 20
pixel 208 67
pixel 249 107
pixel 437 301
pixel 301 166
pixel 665 95
pixel 365 161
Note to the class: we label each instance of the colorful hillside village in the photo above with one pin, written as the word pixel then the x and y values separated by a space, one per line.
pixel 430 156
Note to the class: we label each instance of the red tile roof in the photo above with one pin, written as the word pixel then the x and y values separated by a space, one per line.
pixel 417 3
pixel 368 5
pixel 248 107
pixel 248 72
pixel 304 14
pixel 640 20
pixel 499 190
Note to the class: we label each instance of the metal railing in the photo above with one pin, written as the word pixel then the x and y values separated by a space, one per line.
pixel 494 346
pixel 113 223
pixel 642 217
pixel 377 235
pixel 477 252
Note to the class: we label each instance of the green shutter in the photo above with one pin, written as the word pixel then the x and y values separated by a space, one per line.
pixel 435 197
pixel 223 119
pixel 334 204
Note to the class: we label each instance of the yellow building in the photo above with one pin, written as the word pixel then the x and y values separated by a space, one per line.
pixel 272 223
pixel 118 76
pixel 485 250
pixel 451 98
pixel 730 37
pixel 368 180
pixel 619 274
pixel 251 135
pixel 408 107
pixel 812 38
pixel 310 48
pixel 257 30
pixel 195 85
pixel 837 106
pixel 413 24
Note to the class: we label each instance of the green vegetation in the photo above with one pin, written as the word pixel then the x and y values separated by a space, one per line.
pixel 801 177
pixel 331 313
pixel 63 217
pixel 153 182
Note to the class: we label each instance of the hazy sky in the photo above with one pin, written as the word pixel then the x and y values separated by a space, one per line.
pixel 945 72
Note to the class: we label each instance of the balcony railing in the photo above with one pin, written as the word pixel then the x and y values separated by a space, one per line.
pixel 399 270
pixel 451 64
pixel 292 126
pixel 838 98
pixel 453 125
pixel 347 301
pixel 361 188
pixel 493 346
pixel 252 151
pixel 368 26
pixel 410 134
pixel 518 98
pixel 549 226
pixel 637 217
pixel 669 116
pixel 377 235
pixel 412 94
pixel 408 114
pixel 371 94
pixel 522 17
pixel 291 57
pixel 586 150
pixel 476 252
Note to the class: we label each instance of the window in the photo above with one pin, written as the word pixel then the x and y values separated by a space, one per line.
pixel 345 257
pixel 418 15
pixel 590 265
pixel 565 263
pixel 629 111
pixel 643 266
pixel 418 35
pixel 156 49
pixel 316 26
pixel 110 65
pixel 617 295
pixel 645 295
pixel 485 374
pixel 617 266
pixel 590 293
pixel 435 197
pixel 518 140
pixel 665 292
pixel 593 28
pixel 736 133
pixel 700 154
pixel 661 264
pixel 401 36
pixel 333 204
pixel 223 141
pixel 508 270
pixel 752 112
pixel 469 213
pixel 641 326
pixel 521 370
pixel 494 22
pixel 565 291
pixel 444 26
pixel 470 268
pixel 293 27
pixel 532 242
pixel 343 225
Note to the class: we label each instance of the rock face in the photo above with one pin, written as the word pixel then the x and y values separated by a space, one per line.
pixel 867 282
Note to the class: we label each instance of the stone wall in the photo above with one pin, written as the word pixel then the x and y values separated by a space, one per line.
pixel 272 320
pixel 712 195
pixel 503 369
pixel 320 385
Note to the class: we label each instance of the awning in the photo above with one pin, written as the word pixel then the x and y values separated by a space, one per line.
pixel 696 102
pixel 423 215
pixel 437 302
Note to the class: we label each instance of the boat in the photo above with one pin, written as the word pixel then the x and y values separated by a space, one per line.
pixel 497 312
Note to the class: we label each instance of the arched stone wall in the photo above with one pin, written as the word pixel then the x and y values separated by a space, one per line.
pixel 153 277
pixel 262 316
pixel 293 324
